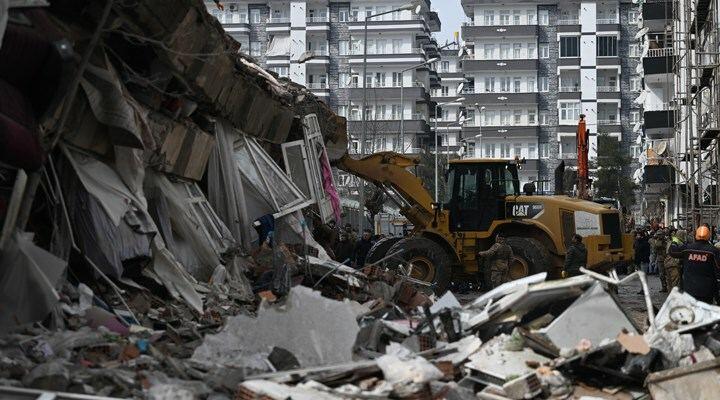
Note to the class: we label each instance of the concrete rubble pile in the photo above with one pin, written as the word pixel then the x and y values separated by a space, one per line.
pixel 158 191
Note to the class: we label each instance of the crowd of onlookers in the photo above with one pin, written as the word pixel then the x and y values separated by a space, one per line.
pixel 682 257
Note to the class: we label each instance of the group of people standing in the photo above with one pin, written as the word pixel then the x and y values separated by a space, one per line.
pixel 681 258
pixel 344 244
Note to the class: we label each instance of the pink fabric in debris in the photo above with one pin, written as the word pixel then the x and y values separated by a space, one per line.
pixel 329 186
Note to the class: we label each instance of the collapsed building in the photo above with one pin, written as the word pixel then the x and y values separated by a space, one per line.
pixel 155 183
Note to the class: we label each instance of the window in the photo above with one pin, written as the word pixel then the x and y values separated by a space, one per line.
pixel 636 151
pixel 254 16
pixel 634 117
pixel 489 150
pixel 396 79
pixel 504 150
pixel 634 50
pixel 489 17
pixel 569 112
pixel 356 46
pixel 517 117
pixel 396 111
pixel 281 71
pixel 381 46
pixel 489 118
pixel 445 66
pixel 633 15
pixel 504 17
pixel 379 79
pixel 607 46
pixel 516 84
pixel 489 51
pixel 544 150
pixel 531 50
pixel 544 118
pixel 354 113
pixel 516 17
pixel 504 51
pixel 490 84
pixel 343 14
pixel 355 13
pixel 517 48
pixel 344 80
pixel 505 117
pixel 570 46
pixel 531 85
pixel 397 46
pixel 255 49
pixel 355 80
pixel 445 92
pixel 371 46
pixel 531 17
pixel 543 83
pixel 343 47
pixel 532 151
pixel 544 17
pixel 505 84
pixel 517 147
pixel 544 50
pixel 343 111
pixel 531 117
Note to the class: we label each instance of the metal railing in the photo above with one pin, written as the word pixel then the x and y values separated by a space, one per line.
pixel 376 84
pixel 602 121
pixel 228 17
pixel 359 52
pixel 482 23
pixel 388 17
pixel 663 52
pixel 317 85
pixel 613 20
pixel 282 20
pixel 322 18
pixel 570 89
pixel 659 107
pixel 568 21
pixel 317 52
pixel 612 88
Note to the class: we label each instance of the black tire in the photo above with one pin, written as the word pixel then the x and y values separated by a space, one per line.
pixel 380 249
pixel 530 252
pixel 431 262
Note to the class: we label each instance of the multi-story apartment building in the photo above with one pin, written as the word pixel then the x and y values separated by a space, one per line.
pixel 681 100
pixel 320 44
pixel 534 67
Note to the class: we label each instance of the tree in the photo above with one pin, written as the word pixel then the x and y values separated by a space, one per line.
pixel 613 178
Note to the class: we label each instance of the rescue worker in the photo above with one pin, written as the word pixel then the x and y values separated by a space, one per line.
pixel 575 257
pixel 362 247
pixel 498 258
pixel 344 249
pixel 659 246
pixel 673 263
pixel 701 263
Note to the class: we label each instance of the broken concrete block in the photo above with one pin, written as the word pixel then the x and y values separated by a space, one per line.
pixel 496 365
pixel 52 375
pixel 580 320
pixel 317 330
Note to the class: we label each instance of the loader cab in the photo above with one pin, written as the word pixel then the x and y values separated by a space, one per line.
pixel 476 191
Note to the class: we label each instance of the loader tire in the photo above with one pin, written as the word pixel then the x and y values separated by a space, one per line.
pixel 529 257
pixel 431 262
pixel 380 249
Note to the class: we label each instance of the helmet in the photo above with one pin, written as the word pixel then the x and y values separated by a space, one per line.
pixel 702 233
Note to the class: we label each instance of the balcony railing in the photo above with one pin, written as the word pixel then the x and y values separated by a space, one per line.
pixel 322 18
pixel 317 85
pixel 607 88
pixel 376 84
pixel 603 121
pixel 228 17
pixel 568 21
pixel 388 17
pixel 570 89
pixel 279 20
pixel 389 117
pixel 359 52
pixel 478 91
pixel 568 156
pixel 319 52
pixel 494 23
pixel 501 57
pixel 659 107
pixel 613 20
pixel 664 52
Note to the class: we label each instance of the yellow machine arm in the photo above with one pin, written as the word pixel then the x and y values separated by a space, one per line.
pixel 389 170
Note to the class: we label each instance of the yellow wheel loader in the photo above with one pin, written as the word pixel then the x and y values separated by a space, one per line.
pixel 484 200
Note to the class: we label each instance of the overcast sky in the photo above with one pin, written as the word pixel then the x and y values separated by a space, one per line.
pixel 451 17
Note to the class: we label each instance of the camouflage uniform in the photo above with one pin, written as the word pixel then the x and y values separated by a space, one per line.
pixel 659 244
pixel 673 266
pixel 498 258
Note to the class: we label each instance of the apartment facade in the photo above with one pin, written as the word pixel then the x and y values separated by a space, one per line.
pixel 681 101
pixel 282 34
pixel 533 67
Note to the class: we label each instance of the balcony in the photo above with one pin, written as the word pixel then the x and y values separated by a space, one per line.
pixel 607 21
pixel 471 32
pixel 519 131
pixel 656 14
pixel 279 24
pixel 608 88
pixel 568 21
pixel 471 65
pixel 608 121
pixel 416 125
pixel 659 62
pixel 317 85
pixel 501 98
pixel 379 93
pixel 392 23
pixel 570 89
pixel 317 19
pixel 663 175
pixel 659 123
